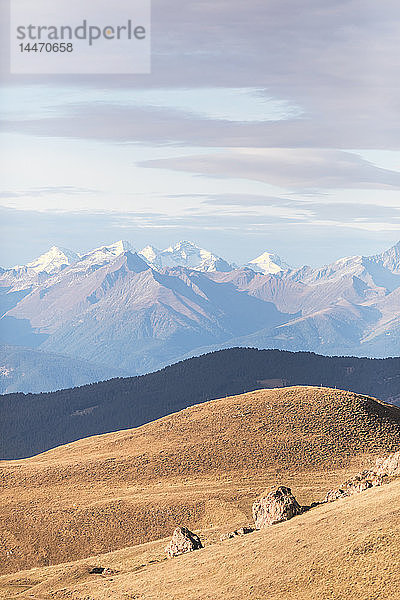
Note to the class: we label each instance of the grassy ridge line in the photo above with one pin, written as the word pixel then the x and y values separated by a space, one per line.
pixel 33 423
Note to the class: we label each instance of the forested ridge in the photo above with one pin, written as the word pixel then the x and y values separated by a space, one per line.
pixel 33 423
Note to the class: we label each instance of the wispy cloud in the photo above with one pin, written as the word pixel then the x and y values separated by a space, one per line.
pixel 169 126
pixel 64 190
pixel 337 61
pixel 299 169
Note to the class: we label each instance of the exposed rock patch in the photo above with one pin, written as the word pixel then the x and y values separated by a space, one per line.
pixel 183 540
pixel 389 466
pixel 276 506
pixel 357 484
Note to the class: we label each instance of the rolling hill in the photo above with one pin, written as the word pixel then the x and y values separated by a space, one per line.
pixel 202 467
pixel 33 423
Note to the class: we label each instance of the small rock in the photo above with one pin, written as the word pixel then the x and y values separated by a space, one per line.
pixel 357 485
pixel 227 536
pixel 389 466
pixel 96 570
pixel 277 506
pixel 183 540
pixel 373 477
pixel 237 532
pixel 101 571
pixel 244 530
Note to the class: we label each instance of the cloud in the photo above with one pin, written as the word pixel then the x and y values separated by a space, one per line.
pixel 243 200
pixel 167 126
pixel 298 169
pixel 329 206
pixel 67 190
pixel 337 60
pixel 163 126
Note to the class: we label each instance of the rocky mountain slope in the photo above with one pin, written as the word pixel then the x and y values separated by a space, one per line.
pixel 139 312
pixel 123 314
pixel 202 467
pixel 30 424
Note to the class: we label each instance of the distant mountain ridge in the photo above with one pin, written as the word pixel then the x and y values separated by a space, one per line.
pixel 181 254
pixel 138 312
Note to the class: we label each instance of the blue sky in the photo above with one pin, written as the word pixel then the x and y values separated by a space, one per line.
pixel 263 126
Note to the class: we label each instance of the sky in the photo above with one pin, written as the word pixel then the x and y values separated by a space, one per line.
pixel 270 125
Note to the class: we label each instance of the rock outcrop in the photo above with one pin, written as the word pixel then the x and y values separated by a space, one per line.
pixel 276 506
pixel 389 466
pixel 237 532
pixel 357 484
pixel 183 540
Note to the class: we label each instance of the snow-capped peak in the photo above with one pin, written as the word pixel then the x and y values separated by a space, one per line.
pixel 108 252
pixel 390 259
pixel 268 263
pixel 114 249
pixel 183 247
pixel 103 255
pixel 53 261
pixel 184 254
pixel 149 253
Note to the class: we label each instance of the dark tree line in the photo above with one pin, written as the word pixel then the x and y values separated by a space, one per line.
pixel 33 423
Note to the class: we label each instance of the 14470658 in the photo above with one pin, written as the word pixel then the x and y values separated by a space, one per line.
pixel 47 47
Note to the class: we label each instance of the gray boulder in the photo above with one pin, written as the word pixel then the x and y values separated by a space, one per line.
pixel 183 540
pixel 276 506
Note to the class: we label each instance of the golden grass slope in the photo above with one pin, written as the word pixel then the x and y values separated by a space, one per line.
pixel 201 467
pixel 349 549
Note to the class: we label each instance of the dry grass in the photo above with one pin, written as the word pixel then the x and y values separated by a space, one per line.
pixel 346 549
pixel 201 467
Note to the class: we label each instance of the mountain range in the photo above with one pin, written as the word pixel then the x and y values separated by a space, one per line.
pixel 133 312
